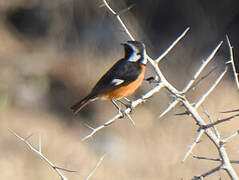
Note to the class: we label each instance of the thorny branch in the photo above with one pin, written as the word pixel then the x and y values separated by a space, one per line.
pixel 180 97
pixel 190 84
pixel 208 173
pixel 39 153
pixel 154 63
pixel 54 167
pixel 200 133
pixel 126 111
pixel 97 165
pixel 233 62
pixel 211 121
pixel 214 159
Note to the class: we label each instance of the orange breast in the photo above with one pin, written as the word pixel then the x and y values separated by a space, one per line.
pixel 125 91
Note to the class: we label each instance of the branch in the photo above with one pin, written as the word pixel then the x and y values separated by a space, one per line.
pixel 169 108
pixel 148 94
pixel 39 153
pixel 191 82
pixel 202 99
pixel 215 123
pixel 207 173
pixel 211 121
pixel 153 62
pixel 194 144
pixel 202 67
pixel 119 19
pixel 233 62
pixel 126 9
pixel 226 165
pixel 216 141
pixel 126 111
pixel 214 159
pixel 172 45
pixel 230 111
pixel 206 158
pixel 201 79
pixel 224 140
pixel 97 165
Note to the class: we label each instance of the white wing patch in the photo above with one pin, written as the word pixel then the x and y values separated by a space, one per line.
pixel 117 82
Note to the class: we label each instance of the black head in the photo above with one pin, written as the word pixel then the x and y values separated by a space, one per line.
pixel 135 51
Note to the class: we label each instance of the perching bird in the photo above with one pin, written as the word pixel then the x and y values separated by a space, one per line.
pixel 122 79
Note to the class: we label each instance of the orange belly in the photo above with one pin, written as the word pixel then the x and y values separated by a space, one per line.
pixel 125 91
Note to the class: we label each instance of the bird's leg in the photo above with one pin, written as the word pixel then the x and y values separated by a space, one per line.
pixel 126 105
pixel 130 104
pixel 117 106
pixel 123 113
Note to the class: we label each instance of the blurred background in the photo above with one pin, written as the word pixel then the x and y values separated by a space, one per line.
pixel 53 52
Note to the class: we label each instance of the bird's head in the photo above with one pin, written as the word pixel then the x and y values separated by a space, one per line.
pixel 135 52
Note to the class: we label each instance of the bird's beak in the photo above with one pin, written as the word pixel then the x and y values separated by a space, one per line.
pixel 123 44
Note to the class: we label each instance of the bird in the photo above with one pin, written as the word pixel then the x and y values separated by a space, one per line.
pixel 121 80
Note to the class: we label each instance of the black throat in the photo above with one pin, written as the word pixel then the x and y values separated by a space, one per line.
pixel 128 51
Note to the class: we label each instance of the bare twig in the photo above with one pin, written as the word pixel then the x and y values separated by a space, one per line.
pixel 202 67
pixel 172 45
pixel 230 111
pixel 126 9
pixel 211 121
pixel 214 159
pixel 196 140
pixel 230 136
pixel 207 173
pixel 169 108
pixel 126 111
pixel 221 150
pixel 201 79
pixel 232 62
pixel 119 19
pixel 227 119
pixel 191 82
pixel 39 153
pixel 97 165
pixel 206 158
pixel 215 123
pixel 148 94
pixel 180 96
pixel 201 100
pixel 204 96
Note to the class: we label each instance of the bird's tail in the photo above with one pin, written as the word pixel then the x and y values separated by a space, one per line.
pixel 79 105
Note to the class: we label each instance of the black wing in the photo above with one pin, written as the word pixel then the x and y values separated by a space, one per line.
pixel 122 70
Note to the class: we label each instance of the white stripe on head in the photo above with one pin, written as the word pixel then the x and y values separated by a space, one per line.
pixel 144 58
pixel 135 56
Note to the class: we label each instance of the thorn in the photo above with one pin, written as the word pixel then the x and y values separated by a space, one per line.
pixel 131 120
pixel 125 10
pixel 102 5
pixel 87 125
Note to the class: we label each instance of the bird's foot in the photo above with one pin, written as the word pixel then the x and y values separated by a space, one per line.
pixel 152 79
